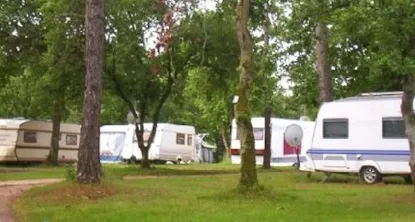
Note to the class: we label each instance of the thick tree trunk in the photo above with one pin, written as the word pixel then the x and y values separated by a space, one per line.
pixel 58 108
pixel 145 162
pixel 322 63
pixel 89 165
pixel 407 109
pixel 248 177
pixel 267 147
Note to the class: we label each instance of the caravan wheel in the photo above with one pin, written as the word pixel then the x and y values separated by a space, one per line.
pixel 370 175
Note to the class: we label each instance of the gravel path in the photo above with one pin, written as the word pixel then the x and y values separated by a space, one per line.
pixel 10 190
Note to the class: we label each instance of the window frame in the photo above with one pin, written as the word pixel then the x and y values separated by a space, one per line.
pixel 189 139
pixel 178 135
pixel 68 141
pixel 390 118
pixel 335 120
pixel 26 136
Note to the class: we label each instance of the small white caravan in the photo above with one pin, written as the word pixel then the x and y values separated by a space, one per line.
pixel 282 154
pixel 171 143
pixel 29 140
pixel 363 134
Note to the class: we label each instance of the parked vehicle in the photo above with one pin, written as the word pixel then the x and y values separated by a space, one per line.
pixel 24 140
pixel 364 135
pixel 171 143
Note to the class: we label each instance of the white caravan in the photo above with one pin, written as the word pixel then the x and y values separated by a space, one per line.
pixel 363 135
pixel 171 143
pixel 282 154
pixel 23 140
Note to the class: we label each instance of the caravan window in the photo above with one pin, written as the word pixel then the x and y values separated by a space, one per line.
pixel 180 138
pixel 335 128
pixel 258 133
pixel 30 137
pixel 189 140
pixel 72 140
pixel 393 128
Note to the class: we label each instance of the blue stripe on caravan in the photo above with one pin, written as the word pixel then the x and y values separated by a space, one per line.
pixel 111 158
pixel 366 152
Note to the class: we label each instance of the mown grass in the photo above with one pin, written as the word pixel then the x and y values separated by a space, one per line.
pixel 117 171
pixel 8 172
pixel 289 196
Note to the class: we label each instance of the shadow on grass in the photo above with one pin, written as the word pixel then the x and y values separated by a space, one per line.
pixel 346 179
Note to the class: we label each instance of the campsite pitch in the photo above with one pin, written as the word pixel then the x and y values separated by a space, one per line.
pixel 171 195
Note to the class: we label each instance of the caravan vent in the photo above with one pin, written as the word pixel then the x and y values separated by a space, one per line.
pixel 382 93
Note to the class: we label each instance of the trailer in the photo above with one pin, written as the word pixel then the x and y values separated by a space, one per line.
pixel 24 140
pixel 282 154
pixel 118 143
pixel 362 135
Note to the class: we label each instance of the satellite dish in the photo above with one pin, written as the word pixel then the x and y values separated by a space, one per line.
pixel 293 135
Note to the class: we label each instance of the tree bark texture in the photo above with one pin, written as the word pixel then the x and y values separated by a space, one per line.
pixel 267 147
pixel 322 62
pixel 407 109
pixel 248 174
pixel 89 165
pixel 58 109
pixel 225 140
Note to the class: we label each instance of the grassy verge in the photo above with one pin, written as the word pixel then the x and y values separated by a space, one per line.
pixel 117 171
pixel 32 172
pixel 289 196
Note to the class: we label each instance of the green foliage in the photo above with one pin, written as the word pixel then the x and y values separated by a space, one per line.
pixel 70 173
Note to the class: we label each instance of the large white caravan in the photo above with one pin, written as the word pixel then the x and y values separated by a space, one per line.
pixel 363 135
pixel 29 140
pixel 282 154
pixel 171 143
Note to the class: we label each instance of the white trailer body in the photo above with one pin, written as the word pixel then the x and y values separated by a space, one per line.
pixel 363 134
pixel 171 143
pixel 24 140
pixel 281 153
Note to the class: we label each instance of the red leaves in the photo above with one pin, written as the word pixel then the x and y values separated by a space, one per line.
pixel 166 31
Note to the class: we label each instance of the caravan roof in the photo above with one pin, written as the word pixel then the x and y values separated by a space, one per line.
pixel 372 96
pixel 148 126
pixel 26 124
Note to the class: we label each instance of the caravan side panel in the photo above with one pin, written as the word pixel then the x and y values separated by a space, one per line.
pixel 8 138
pixel 34 146
pixel 356 137
pixel 177 141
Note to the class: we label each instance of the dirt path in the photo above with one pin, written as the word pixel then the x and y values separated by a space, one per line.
pixel 10 190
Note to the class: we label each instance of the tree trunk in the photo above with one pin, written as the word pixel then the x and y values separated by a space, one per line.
pixel 145 162
pixel 407 109
pixel 58 108
pixel 225 140
pixel 248 176
pixel 267 147
pixel 89 165
pixel 322 63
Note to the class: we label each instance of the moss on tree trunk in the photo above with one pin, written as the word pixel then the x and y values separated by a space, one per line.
pixel 248 175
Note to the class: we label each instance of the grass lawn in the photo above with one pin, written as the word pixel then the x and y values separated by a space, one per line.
pixel 289 196
pixel 32 172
